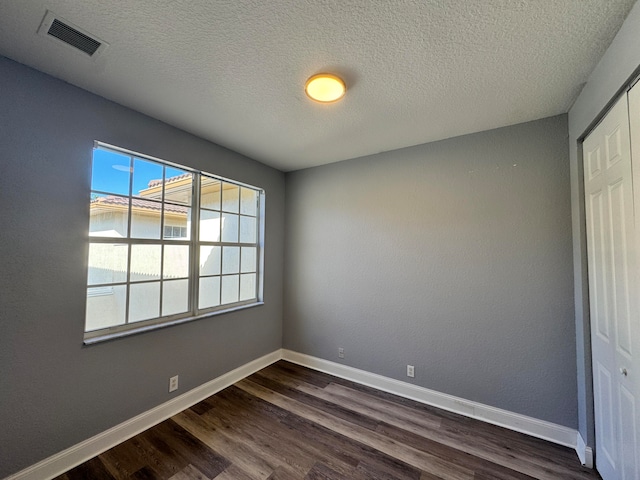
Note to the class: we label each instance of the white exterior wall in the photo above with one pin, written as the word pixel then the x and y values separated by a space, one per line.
pixel 106 306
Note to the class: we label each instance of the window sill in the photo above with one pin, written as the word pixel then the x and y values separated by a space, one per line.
pixel 146 328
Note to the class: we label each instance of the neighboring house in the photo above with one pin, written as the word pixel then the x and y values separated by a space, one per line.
pixel 109 213
pixel 149 216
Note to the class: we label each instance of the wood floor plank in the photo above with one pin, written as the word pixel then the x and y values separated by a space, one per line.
pixel 123 460
pixel 348 393
pixel 145 473
pixel 371 407
pixel 452 454
pixel 215 438
pixel 316 401
pixel 287 422
pixel 260 436
pixel 431 476
pixel 322 472
pixel 353 453
pixel 511 455
pixel 298 373
pixel 407 454
pixel 281 473
pixel 190 473
pixel 175 441
pixel 284 430
pixel 234 472
pixel 324 379
pixel 286 443
pixel 406 418
pixel 93 469
pixel 514 442
pixel 157 457
pixel 370 471
pixel 317 441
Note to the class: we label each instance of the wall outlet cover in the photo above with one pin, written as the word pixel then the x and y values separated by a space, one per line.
pixel 173 384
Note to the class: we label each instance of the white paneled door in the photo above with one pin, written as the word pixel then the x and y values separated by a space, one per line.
pixel 613 291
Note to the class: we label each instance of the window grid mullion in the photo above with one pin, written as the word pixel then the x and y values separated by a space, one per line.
pixel 136 241
pixel 114 284
pixel 228 244
pixel 259 246
pixel 221 265
pixel 221 244
pixel 194 265
pixel 162 241
pixel 130 246
pixel 194 243
pixel 240 248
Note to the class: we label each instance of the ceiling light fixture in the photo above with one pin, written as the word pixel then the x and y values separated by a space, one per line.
pixel 325 88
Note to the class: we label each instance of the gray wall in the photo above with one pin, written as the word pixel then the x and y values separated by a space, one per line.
pixel 54 392
pixel 453 256
pixel 610 75
pixel 444 256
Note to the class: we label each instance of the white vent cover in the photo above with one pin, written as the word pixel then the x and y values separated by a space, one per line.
pixel 65 32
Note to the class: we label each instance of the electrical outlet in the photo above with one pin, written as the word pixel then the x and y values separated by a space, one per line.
pixel 410 371
pixel 173 384
pixel 341 352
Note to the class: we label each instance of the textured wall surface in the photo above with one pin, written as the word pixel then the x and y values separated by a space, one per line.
pixel 54 392
pixel 610 75
pixel 454 257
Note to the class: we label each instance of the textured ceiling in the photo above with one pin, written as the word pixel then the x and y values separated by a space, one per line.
pixel 233 71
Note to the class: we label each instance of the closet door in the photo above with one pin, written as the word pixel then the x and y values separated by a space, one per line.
pixel 631 441
pixel 613 295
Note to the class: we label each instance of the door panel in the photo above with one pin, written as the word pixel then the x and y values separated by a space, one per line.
pixel 607 438
pixel 614 147
pixel 597 267
pixel 629 438
pixel 593 162
pixel 612 245
pixel 619 201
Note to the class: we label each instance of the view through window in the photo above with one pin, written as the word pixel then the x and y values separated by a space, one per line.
pixel 167 243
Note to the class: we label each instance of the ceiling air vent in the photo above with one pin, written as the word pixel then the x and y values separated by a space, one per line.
pixel 61 30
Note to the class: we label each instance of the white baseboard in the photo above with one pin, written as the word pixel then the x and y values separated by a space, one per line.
pixel 504 418
pixel 61 462
pixel 585 454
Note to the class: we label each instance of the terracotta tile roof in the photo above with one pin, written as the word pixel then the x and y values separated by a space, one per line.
pixel 155 183
pixel 138 203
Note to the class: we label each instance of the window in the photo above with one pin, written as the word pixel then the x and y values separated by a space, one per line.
pixel 206 260
pixel 175 232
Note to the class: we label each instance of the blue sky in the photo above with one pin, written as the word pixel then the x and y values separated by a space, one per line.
pixel 111 172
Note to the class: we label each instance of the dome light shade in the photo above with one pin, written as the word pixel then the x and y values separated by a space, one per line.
pixel 325 88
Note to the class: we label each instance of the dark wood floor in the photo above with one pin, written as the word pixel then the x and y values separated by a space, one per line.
pixel 289 422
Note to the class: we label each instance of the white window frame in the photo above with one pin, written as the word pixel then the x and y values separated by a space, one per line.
pixel 194 242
